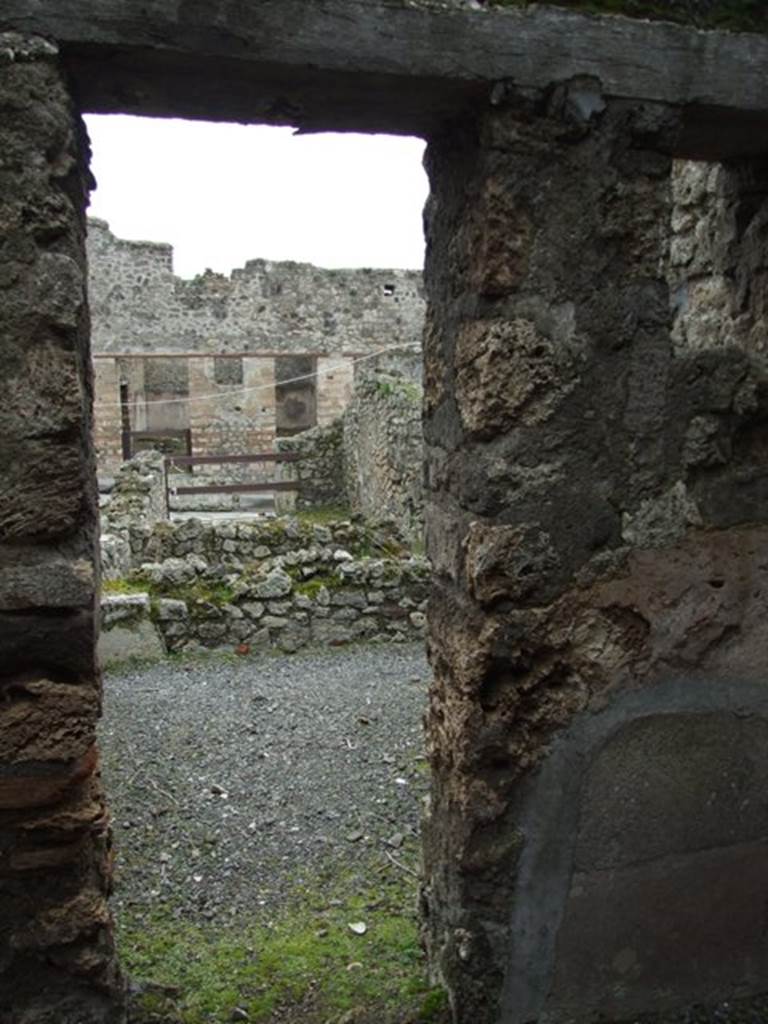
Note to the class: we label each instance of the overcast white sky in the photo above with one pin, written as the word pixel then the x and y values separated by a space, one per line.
pixel 223 194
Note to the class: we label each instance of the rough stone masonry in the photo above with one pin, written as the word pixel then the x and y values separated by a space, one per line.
pixel 56 952
pixel 596 845
pixel 597 722
pixel 210 354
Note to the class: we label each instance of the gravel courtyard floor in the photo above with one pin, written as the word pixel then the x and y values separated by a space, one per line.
pixel 233 781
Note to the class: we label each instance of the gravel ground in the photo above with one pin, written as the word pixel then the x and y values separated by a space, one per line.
pixel 232 782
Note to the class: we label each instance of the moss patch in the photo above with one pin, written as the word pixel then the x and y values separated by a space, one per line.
pixel 312 587
pixel 323 515
pixel 124 586
pixel 196 592
pixel 400 386
pixel 307 965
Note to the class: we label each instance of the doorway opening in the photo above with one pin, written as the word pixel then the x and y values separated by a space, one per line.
pixel 265 759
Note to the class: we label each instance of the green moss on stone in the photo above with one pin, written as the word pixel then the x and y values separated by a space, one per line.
pixel 399 386
pixel 125 586
pixel 322 515
pixel 209 591
pixel 312 587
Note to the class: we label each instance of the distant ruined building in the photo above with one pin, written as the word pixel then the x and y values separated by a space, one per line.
pixel 225 365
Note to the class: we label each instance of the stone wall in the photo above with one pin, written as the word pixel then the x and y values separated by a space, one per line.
pixel 319 472
pixel 139 306
pixel 281 584
pixel 136 503
pixel 718 266
pixel 237 544
pixel 597 527
pixel 208 354
pixel 345 601
pixel 383 451
pixel 56 950
pixel 595 843
pixel 371 459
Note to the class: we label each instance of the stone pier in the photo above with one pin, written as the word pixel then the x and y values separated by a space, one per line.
pixel 597 841
pixel 57 961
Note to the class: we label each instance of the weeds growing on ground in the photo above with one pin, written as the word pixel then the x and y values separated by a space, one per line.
pixel 305 965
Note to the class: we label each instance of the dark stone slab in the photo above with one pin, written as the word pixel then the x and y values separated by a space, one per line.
pixel 376 66
pixel 673 784
pixel 687 928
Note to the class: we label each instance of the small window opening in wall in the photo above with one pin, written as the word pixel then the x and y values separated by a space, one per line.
pixel 389 289
pixel 295 394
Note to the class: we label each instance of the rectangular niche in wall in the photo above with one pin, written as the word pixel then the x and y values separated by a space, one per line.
pixel 166 406
pixel 228 369
pixel 295 394
pixel 166 375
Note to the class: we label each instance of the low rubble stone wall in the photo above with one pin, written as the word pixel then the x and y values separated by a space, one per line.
pixel 280 585
pixel 319 473
pixel 249 542
pixel 383 450
pixel 136 504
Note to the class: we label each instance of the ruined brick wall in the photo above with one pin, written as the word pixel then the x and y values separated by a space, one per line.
pixel 383 451
pixel 56 951
pixel 138 305
pixel 215 323
pixel 227 412
pixel 232 417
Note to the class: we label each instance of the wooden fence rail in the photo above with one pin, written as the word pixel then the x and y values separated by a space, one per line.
pixel 252 487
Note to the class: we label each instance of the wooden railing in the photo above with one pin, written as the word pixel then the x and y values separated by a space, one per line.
pixel 250 487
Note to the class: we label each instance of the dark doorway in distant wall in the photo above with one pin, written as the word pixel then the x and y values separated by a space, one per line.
pixel 295 394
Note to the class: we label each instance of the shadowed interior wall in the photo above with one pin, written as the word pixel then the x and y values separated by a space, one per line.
pixel 56 953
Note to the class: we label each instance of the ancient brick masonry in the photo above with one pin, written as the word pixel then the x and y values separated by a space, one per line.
pixel 594 551
pixel 226 342
pixel 56 953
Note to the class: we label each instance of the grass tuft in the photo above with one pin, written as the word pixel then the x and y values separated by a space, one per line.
pixel 306 962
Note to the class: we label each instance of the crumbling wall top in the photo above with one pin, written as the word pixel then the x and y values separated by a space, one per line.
pixel 139 306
